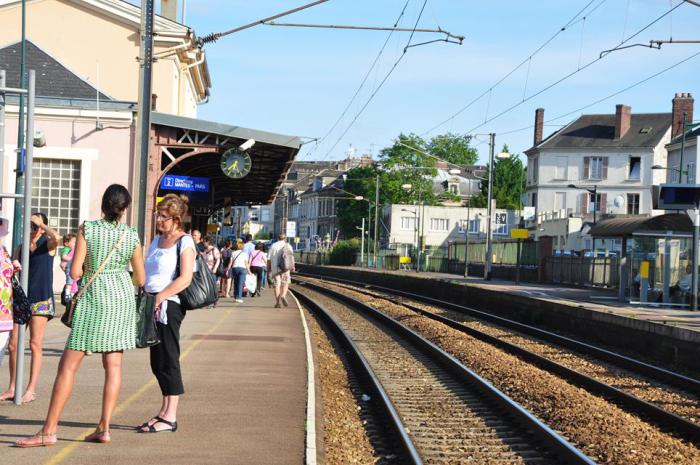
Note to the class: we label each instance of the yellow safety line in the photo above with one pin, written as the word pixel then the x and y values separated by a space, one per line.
pixel 67 450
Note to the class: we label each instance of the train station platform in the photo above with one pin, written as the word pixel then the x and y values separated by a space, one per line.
pixel 244 369
pixel 665 335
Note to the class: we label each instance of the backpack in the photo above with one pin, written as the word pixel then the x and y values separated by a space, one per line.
pixel 286 260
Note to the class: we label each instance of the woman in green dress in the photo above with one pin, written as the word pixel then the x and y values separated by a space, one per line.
pixel 104 320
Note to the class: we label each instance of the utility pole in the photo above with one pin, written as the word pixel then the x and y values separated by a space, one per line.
pixel 489 212
pixel 144 111
pixel 19 169
pixel 376 222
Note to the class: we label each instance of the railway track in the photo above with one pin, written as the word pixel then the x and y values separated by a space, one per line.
pixel 651 409
pixel 443 412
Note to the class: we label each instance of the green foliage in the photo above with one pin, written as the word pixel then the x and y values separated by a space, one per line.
pixel 453 148
pixel 262 236
pixel 406 161
pixel 509 184
pixel 344 252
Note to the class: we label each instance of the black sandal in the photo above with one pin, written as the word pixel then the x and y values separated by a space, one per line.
pixel 151 428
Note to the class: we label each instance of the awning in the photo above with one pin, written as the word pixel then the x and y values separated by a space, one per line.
pixel 628 226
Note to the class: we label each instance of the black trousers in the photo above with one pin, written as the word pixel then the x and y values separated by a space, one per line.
pixel 165 357
pixel 258 271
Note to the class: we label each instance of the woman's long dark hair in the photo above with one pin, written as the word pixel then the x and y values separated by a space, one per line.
pixel 115 200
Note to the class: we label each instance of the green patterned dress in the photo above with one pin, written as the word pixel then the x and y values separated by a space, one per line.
pixel 105 317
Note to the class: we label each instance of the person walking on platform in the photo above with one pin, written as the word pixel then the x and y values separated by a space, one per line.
pixel 226 253
pixel 7 269
pixel 248 245
pixel 258 264
pixel 280 265
pixel 197 237
pixel 104 319
pixel 42 250
pixel 168 274
pixel 239 269
pixel 211 254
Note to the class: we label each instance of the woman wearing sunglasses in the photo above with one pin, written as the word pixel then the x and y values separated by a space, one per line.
pixel 42 250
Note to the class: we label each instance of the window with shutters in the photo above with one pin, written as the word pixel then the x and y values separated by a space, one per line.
pixel 675 173
pixel 633 204
pixel 560 164
pixel 691 173
pixel 500 229
pixel 596 167
pixel 474 226
pixel 408 223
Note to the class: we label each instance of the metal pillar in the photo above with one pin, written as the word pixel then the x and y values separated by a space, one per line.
pixel 376 222
pixel 19 168
pixel 362 243
pixel 466 246
pixel 144 110
pixel 667 269
pixel 3 83
pixel 624 271
pixel 489 252
pixel 26 240
pixel 694 262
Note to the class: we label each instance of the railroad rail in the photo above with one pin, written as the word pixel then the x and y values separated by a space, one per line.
pixel 669 421
pixel 472 418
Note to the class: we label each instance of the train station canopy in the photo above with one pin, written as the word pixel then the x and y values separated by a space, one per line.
pixel 677 223
pixel 193 147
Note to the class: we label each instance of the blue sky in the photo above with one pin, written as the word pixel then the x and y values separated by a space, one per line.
pixel 298 81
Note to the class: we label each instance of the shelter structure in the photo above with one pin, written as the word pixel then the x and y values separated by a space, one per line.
pixel 193 148
pixel 655 253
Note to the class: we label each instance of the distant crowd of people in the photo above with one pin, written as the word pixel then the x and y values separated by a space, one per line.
pixel 103 263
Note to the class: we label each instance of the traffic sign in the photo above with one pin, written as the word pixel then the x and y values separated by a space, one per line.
pixel 501 218
pixel 519 233
pixel 291 230
pixel 184 183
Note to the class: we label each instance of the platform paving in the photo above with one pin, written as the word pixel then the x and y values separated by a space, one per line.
pixel 244 368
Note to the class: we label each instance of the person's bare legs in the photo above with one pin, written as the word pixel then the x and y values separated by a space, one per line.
pixel 12 350
pixel 112 363
pixel 62 387
pixel 37 326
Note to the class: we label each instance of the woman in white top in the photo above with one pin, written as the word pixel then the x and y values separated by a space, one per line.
pixel 239 269
pixel 161 265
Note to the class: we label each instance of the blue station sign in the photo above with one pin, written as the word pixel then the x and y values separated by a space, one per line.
pixel 184 183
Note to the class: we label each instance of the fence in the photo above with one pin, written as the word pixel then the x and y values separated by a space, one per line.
pixel 583 271
pixel 312 258
pixel 505 252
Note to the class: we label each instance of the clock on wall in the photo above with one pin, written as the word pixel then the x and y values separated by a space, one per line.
pixel 235 163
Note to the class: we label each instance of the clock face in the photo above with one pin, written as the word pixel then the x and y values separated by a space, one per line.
pixel 235 164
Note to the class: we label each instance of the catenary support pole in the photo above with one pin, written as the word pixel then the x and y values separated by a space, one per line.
pixel 144 110
pixel 26 240
pixel 376 222
pixel 489 209
pixel 696 249
pixel 362 243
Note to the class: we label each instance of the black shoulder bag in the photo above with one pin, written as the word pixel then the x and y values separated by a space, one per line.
pixel 202 291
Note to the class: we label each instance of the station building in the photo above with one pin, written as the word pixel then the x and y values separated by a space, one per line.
pixel 87 88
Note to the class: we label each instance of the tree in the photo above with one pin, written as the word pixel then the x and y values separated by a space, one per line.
pixel 360 182
pixel 453 148
pixel 508 182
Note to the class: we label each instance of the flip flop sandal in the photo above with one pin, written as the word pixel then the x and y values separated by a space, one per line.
pixel 152 429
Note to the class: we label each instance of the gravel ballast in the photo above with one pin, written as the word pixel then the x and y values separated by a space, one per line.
pixel 600 429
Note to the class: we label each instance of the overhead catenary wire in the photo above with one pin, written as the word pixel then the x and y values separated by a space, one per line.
pixel 364 80
pixel 607 97
pixel 569 75
pixel 569 23
pixel 381 84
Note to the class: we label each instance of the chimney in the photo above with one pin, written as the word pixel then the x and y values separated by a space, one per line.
pixel 168 9
pixel 539 125
pixel 623 117
pixel 682 103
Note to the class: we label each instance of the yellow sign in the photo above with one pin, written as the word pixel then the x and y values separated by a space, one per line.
pixel 212 228
pixel 404 260
pixel 644 270
pixel 297 240
pixel 519 233
pixel 158 200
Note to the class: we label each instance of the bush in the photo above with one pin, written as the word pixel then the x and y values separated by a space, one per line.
pixel 262 236
pixel 344 252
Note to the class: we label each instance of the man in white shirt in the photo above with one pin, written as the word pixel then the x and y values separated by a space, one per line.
pixel 248 246
pixel 280 277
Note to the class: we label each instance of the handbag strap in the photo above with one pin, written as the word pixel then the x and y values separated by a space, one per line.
pixel 101 267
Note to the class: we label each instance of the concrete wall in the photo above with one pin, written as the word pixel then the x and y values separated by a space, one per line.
pixel 662 343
